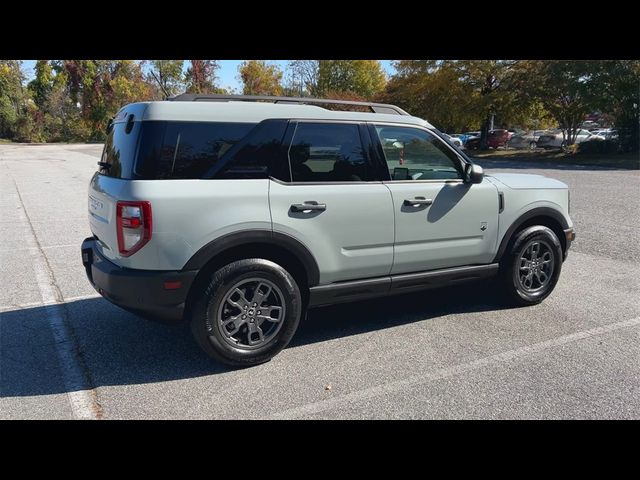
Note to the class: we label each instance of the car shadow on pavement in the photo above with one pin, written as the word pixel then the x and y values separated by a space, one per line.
pixel 119 348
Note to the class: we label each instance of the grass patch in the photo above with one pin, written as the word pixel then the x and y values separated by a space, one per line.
pixel 627 161
pixel 4 141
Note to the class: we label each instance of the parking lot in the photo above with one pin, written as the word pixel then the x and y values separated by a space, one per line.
pixel 454 353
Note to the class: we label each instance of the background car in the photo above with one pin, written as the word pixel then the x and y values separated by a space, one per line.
pixel 497 138
pixel 455 140
pixel 556 139
pixel 469 135
pixel 526 139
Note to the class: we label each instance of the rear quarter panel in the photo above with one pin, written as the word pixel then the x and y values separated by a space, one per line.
pixel 188 214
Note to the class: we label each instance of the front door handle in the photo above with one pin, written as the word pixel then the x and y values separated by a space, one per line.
pixel 309 206
pixel 418 202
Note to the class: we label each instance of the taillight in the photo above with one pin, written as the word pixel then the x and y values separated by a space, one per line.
pixel 133 224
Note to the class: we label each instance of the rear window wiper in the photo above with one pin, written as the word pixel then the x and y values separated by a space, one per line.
pixel 104 165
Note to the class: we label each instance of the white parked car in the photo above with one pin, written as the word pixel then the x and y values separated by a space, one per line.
pixel 455 140
pixel 556 139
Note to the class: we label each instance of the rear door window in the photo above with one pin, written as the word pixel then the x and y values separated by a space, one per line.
pixel 328 152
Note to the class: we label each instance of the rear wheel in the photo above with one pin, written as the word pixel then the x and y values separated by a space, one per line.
pixel 247 313
pixel 530 270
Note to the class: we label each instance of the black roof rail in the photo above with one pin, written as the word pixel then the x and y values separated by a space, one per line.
pixel 375 107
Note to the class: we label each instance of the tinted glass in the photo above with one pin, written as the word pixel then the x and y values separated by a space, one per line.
pixel 185 150
pixel 259 155
pixel 326 152
pixel 414 154
pixel 119 150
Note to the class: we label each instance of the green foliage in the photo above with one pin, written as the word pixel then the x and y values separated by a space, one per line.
pixel 565 88
pixel 13 99
pixel 618 84
pixel 260 78
pixel 41 86
pixel 169 74
pixel 361 77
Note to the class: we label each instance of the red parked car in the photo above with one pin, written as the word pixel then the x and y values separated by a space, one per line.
pixel 497 138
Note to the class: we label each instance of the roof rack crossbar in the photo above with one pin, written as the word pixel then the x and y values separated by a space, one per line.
pixel 374 107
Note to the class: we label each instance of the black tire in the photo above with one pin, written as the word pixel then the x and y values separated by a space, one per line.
pixel 208 312
pixel 532 145
pixel 511 273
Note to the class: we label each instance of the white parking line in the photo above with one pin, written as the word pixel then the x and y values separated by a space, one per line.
pixel 394 387
pixel 81 397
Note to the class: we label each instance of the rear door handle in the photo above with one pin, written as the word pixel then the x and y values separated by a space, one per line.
pixel 418 202
pixel 309 206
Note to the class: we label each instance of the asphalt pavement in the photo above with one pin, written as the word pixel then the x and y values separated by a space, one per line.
pixel 450 353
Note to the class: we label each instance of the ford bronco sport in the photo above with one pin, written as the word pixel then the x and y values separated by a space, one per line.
pixel 240 213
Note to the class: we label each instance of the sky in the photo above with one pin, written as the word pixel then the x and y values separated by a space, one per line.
pixel 227 73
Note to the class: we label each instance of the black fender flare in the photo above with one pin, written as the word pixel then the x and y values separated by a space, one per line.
pixel 245 237
pixel 534 212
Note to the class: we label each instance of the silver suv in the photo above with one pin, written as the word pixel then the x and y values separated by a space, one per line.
pixel 240 213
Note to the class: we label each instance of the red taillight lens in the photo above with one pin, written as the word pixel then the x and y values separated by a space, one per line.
pixel 133 225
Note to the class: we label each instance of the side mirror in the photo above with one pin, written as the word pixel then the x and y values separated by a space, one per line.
pixel 473 173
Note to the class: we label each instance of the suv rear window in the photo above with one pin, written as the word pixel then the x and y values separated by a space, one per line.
pixel 120 150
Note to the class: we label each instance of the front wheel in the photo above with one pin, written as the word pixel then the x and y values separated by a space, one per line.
pixel 531 269
pixel 247 312
pixel 532 145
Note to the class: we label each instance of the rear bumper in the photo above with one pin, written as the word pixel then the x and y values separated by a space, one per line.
pixel 155 294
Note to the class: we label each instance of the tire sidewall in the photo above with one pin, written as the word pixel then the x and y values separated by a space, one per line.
pixel 204 320
pixel 543 234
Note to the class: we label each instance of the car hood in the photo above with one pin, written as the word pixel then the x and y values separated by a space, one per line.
pixel 524 180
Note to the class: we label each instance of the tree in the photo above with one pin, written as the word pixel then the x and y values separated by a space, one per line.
pixel 260 78
pixel 201 77
pixel 13 99
pixel 435 92
pixel 100 87
pixel 40 87
pixel 302 80
pixel 618 84
pixel 491 83
pixel 169 74
pixel 566 89
pixel 361 77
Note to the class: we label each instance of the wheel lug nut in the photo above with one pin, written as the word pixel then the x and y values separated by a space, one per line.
pixel 244 316
pixel 245 307
pixel 255 304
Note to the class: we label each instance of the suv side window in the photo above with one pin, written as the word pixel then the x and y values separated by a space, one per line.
pixel 328 152
pixel 414 154
pixel 258 155
pixel 189 149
